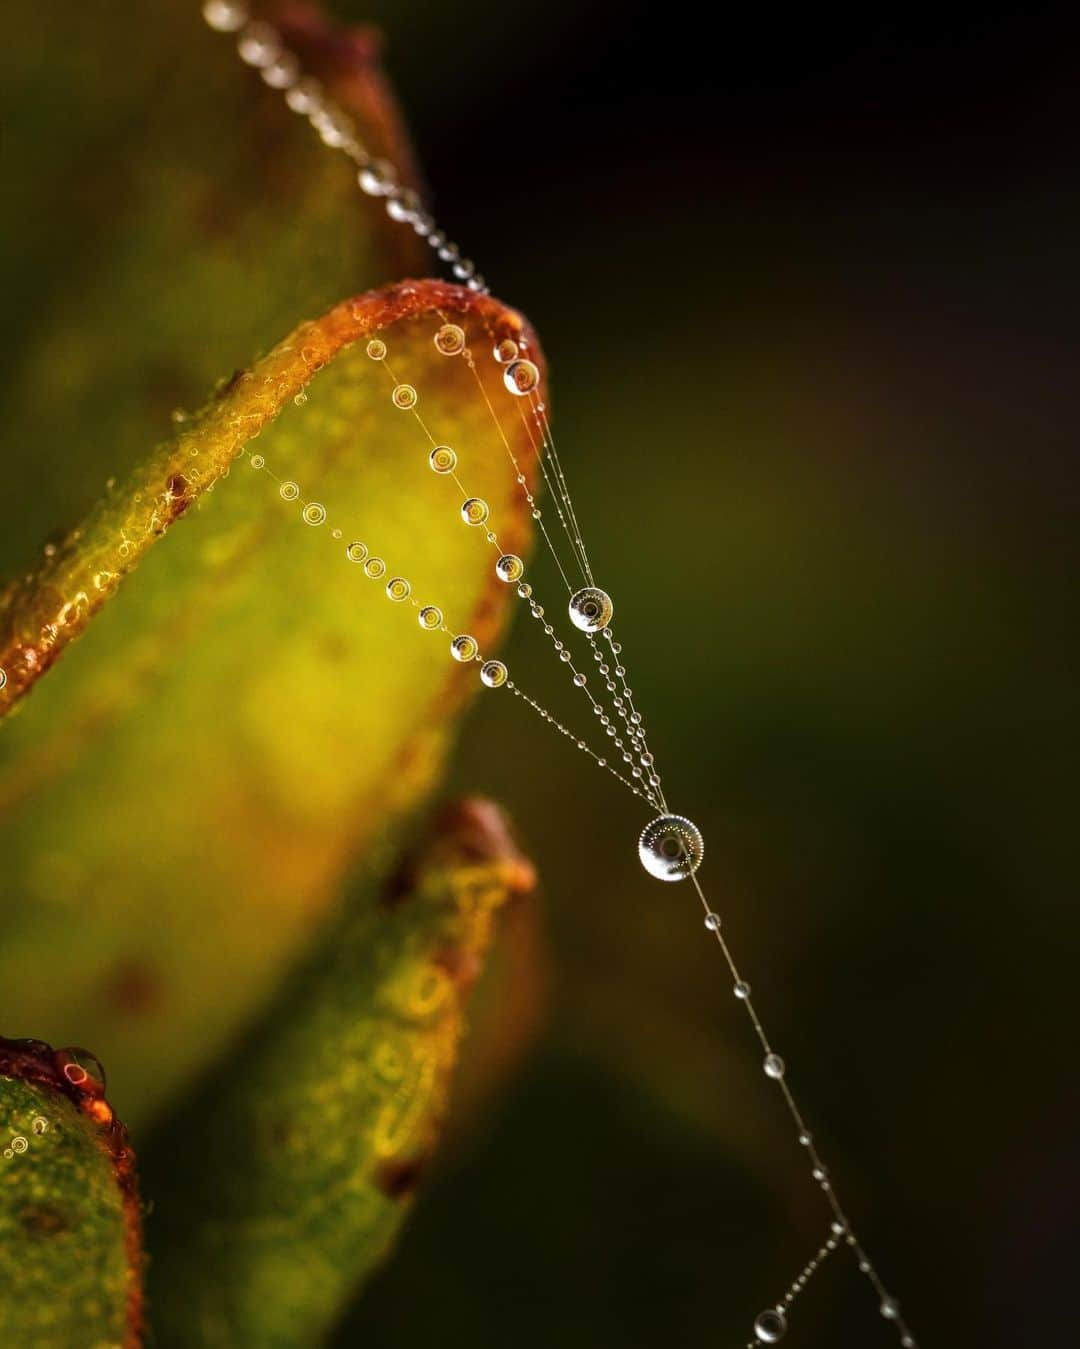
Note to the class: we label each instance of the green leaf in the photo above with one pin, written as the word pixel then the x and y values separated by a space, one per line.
pixel 182 797
pixel 170 220
pixel 70 1258
pixel 282 1185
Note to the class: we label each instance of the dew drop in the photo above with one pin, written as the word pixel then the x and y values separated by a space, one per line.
pixel 580 680
pixel 398 589
pixel 671 848
pixel 506 351
pixel 377 179
pixel 289 491
pixel 591 609
pixel 509 568
pixel 283 73
pixel 259 45
pixel 521 377
pixel 774 1067
pixel 770 1326
pixel 742 990
pixel 81 1068
pixel 226 16
pixel 450 339
pixel 3 678
pixel 257 461
pixel 890 1308
pixel 712 920
pixel 375 568
pixel 404 397
pixel 39 1124
pixel 402 204
pixel 443 459
pixel 429 617
pixel 356 551
pixel 493 673
pixel 19 1144
pixel 474 511
pixel 524 590
pixel 305 97
pixel 300 399
pixel 464 647
pixel 376 349
pixel 314 513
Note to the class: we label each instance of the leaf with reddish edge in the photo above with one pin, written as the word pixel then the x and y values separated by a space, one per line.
pixel 70 1222
pixel 182 797
pixel 171 218
pixel 281 1186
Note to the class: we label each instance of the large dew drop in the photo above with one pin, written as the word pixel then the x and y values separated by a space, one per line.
pixel 474 511
pixel 770 1326
pixel 442 459
pixel 493 673
pixel 464 647
pixel 591 609
pixel 521 377
pixel 509 568
pixel 671 848
pixel 450 339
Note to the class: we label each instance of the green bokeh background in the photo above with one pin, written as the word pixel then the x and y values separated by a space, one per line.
pixel 809 300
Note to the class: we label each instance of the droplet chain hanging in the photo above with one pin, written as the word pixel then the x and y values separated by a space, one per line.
pixel 670 847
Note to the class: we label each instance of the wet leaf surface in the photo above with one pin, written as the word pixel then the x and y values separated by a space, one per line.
pixel 279 1188
pixel 184 794
pixel 70 1249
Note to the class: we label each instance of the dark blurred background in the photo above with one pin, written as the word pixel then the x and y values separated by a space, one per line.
pixel 809 289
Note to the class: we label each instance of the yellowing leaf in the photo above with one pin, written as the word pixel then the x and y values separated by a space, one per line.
pixel 280 1187
pixel 182 797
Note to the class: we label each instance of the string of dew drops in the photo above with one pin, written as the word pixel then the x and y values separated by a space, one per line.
pixel 521 377
pixel 670 847
pixel 443 460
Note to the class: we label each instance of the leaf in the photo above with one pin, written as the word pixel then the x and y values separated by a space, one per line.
pixel 182 797
pixel 70 1249
pixel 172 219
pixel 284 1182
